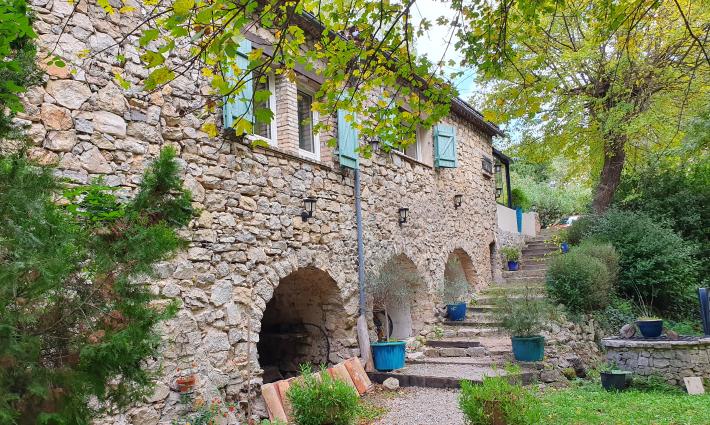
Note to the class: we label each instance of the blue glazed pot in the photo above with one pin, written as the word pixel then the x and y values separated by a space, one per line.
pixel 456 312
pixel 528 348
pixel 650 328
pixel 388 355
pixel 512 266
pixel 564 246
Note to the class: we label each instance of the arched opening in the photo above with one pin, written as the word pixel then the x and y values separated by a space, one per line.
pixel 304 323
pixel 400 299
pixel 459 277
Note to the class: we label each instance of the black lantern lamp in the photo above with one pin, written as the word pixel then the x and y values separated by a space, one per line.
pixel 374 145
pixel 499 192
pixel 308 205
pixel 458 200
pixel 403 215
pixel 498 167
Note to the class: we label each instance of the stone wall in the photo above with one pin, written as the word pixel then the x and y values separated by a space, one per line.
pixel 672 360
pixel 249 237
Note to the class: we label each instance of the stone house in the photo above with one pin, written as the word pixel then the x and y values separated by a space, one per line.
pixel 262 289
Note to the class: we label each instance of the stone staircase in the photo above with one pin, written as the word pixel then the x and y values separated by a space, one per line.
pixel 476 347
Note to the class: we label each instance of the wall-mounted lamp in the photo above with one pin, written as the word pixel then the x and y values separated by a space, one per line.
pixel 499 191
pixel 458 200
pixel 308 205
pixel 374 145
pixel 498 167
pixel 403 215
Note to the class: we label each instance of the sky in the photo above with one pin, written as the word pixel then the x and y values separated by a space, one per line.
pixel 433 43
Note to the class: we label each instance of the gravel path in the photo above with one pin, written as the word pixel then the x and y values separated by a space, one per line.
pixel 421 406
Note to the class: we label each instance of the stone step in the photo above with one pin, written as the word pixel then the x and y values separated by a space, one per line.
pixel 522 279
pixel 541 245
pixel 472 324
pixel 444 375
pixel 480 317
pixel 537 254
pixel 494 299
pixel 471 332
pixel 540 272
pixel 454 352
pixel 452 343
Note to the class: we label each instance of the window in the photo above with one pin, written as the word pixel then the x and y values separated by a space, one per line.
pixel 262 130
pixel 308 144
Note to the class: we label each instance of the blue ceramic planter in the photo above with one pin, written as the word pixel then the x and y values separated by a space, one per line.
pixel 388 355
pixel 513 266
pixel 456 312
pixel 564 246
pixel 528 348
pixel 650 328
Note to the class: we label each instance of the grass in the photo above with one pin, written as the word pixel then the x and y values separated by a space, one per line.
pixel 589 404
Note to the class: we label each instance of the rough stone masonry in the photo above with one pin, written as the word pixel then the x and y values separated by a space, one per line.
pixel 249 236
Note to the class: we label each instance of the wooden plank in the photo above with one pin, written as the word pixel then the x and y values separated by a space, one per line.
pixel 339 371
pixel 358 375
pixel 271 396
pixel 283 387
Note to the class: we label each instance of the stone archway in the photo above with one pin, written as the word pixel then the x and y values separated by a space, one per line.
pixel 459 263
pixel 303 323
pixel 405 315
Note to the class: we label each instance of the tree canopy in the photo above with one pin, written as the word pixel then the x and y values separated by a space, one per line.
pixel 597 81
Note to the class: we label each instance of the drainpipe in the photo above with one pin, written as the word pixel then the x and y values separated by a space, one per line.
pixel 363 335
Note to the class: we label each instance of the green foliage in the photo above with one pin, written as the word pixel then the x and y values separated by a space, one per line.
pixel 578 281
pixel 657 267
pixel 524 316
pixel 579 229
pixel 590 404
pixel 77 319
pixel 17 61
pixel 654 383
pixel 615 314
pixel 676 194
pixel 605 253
pixel 496 400
pixel 511 253
pixel 393 285
pixel 207 413
pixel 318 400
pixel 519 199
pixel 551 199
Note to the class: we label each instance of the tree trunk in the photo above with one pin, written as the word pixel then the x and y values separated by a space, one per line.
pixel 614 157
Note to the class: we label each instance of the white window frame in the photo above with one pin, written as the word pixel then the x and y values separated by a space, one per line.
pixel 417 145
pixel 315 155
pixel 273 141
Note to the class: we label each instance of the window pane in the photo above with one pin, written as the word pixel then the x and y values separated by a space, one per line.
pixel 305 122
pixel 260 128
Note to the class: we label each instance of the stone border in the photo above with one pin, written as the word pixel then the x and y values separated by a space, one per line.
pixel 668 344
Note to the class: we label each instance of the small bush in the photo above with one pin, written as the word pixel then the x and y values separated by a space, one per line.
pixel 605 253
pixel 579 229
pixel 497 401
pixel 511 253
pixel 318 400
pixel 578 281
pixel 615 315
pixel 655 263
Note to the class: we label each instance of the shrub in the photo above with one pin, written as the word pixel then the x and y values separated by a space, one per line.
pixel 318 400
pixel 656 264
pixel 615 315
pixel 77 319
pixel 578 281
pixel 579 229
pixel 604 252
pixel 497 401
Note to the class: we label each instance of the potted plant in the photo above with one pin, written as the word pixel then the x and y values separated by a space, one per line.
pixel 391 286
pixel 512 256
pixel 523 318
pixel 454 291
pixel 613 378
pixel 651 326
pixel 560 239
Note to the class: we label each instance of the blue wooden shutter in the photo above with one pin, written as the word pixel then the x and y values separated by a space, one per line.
pixel 445 146
pixel 347 141
pixel 240 105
